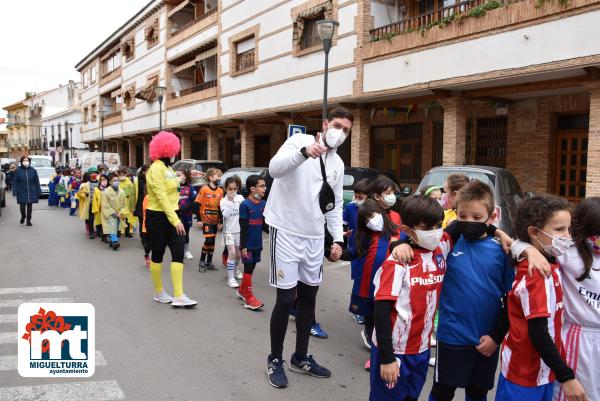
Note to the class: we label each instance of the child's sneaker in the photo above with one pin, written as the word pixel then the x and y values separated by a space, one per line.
pixel 147 261
pixel 202 266
pixel 432 362
pixel 188 255
pixel 238 273
pixel 233 284
pixel 317 331
pixel 163 298
pixel 365 340
pixel 358 319
pixel 211 266
pixel 308 366
pixel 276 373
pixel 183 301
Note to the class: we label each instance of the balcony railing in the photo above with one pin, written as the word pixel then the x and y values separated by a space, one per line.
pixel 426 19
pixel 196 88
pixel 245 60
pixel 113 114
pixel 194 21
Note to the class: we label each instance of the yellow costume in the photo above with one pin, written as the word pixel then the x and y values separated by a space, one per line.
pixel 112 202
pixel 84 200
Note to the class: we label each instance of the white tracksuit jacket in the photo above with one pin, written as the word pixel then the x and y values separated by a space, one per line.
pixel 293 203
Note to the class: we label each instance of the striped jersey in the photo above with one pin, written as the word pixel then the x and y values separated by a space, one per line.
pixel 364 268
pixel 531 297
pixel 209 200
pixel 415 289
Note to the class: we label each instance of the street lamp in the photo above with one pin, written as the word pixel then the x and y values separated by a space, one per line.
pixel 101 112
pixel 160 92
pixel 326 30
pixel 70 143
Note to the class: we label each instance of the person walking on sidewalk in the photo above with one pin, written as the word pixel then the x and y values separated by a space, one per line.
pixel 26 187
pixel 306 193
pixel 163 223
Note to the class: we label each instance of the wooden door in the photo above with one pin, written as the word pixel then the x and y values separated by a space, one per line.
pixel 262 151
pixel 571 164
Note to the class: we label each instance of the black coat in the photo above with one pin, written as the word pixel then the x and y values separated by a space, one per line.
pixel 26 185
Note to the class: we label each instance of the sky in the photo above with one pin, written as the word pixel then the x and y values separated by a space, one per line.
pixel 42 40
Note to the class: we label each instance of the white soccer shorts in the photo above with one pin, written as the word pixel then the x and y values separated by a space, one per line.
pixel 294 259
pixel 232 239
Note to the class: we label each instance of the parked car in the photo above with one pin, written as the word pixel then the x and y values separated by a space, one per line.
pixel 112 160
pixel 44 174
pixel 507 191
pixel 354 174
pixel 198 168
pixel 245 172
pixel 40 161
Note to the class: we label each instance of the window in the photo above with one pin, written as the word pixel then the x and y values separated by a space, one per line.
pixel 92 114
pixel 310 37
pixel 245 54
pixel 151 33
pixel 86 77
pixel 437 157
pixel 112 62
pixel 93 74
pixel 85 120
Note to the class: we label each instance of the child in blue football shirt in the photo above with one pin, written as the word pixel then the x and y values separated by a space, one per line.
pixel 252 226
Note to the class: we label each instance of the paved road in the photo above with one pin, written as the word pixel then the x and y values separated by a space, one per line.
pixel 149 351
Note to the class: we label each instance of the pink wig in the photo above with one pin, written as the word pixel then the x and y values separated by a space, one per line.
pixel 164 144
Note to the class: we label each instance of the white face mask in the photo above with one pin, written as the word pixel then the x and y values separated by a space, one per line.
pixel 182 180
pixel 559 244
pixel 25 164
pixel 389 199
pixel 334 138
pixel 172 159
pixel 429 239
pixel 231 194
pixel 375 223
pixel 358 202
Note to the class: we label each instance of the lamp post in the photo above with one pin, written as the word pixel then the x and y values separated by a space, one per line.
pixel 160 92
pixel 70 143
pixel 326 30
pixel 101 112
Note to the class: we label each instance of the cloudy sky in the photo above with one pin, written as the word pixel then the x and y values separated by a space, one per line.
pixel 43 40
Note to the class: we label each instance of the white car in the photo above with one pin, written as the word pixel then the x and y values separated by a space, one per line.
pixel 44 174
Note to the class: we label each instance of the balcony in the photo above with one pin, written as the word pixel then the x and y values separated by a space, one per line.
pixel 188 18
pixel 193 22
pixel 460 20
pixel 195 88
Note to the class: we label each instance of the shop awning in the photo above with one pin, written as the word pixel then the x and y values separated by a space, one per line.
pixel 184 66
pixel 116 93
pixel 147 92
pixel 179 7
pixel 206 54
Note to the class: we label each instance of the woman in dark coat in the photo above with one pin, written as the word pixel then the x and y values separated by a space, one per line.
pixel 26 187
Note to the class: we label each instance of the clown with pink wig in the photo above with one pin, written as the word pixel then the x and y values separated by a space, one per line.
pixel 163 224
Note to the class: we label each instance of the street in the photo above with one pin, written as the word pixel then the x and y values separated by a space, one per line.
pixel 150 351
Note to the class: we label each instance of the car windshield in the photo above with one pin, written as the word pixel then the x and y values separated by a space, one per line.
pixel 205 166
pixel 348 181
pixel 243 174
pixel 39 162
pixel 437 178
pixel 44 173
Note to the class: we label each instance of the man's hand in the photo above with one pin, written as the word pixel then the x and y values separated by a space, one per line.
pixel 537 261
pixel 390 373
pixel 244 253
pixel 180 229
pixel 403 253
pixel 316 149
pixel 336 252
pixel 574 390
pixel 486 346
pixel 348 233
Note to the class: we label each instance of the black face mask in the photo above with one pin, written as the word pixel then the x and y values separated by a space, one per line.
pixel 471 230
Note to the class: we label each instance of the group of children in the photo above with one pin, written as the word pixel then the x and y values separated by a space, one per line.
pixel 406 268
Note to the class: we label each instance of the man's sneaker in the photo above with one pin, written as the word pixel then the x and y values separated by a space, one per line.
pixel 308 366
pixel 276 373
pixel 432 362
pixel 147 261
pixel 163 298
pixel 368 365
pixel 358 319
pixel 183 301
pixel 432 342
pixel 233 284
pixel 365 340
pixel 251 302
pixel 202 266
pixel 317 331
pixel 211 266
pixel 188 255
pixel 238 273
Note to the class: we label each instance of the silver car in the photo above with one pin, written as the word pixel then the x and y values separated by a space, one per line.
pixel 507 191
pixel 45 173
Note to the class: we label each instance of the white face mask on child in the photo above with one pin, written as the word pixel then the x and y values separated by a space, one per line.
pixel 375 223
pixel 429 239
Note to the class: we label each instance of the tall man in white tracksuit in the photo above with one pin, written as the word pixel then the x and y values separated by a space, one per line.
pixel 297 233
